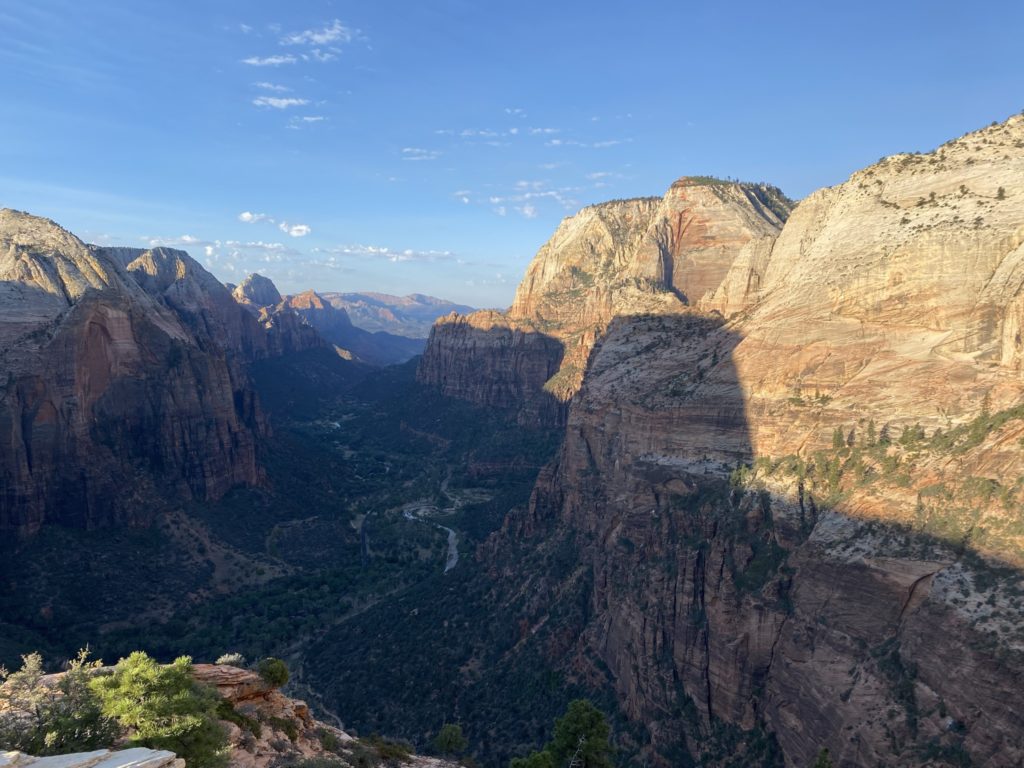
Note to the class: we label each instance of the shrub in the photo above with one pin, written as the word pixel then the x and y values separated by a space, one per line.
pixel 53 719
pixel 273 671
pixel 164 708
pixel 232 660
pixel 449 740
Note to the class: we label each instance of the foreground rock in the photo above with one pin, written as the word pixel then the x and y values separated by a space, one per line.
pixel 103 758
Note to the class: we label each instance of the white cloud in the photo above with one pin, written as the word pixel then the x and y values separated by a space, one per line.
pixel 272 87
pixel 246 29
pixel 322 56
pixel 529 211
pixel 295 230
pixel 384 253
pixel 269 61
pixel 418 153
pixel 251 218
pixel 544 131
pixel 278 102
pixel 335 32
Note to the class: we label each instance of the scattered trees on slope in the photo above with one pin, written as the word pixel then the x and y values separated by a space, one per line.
pixel 580 739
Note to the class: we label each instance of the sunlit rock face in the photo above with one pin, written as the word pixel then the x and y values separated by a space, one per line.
pixel 123 370
pixel 647 256
pixel 857 584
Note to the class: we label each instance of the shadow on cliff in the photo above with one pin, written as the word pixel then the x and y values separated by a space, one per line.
pixel 499 367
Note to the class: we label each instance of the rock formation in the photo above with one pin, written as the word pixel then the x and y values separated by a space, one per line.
pixel 118 376
pixel 628 257
pixel 137 757
pixel 858 378
pixel 264 728
pixel 289 321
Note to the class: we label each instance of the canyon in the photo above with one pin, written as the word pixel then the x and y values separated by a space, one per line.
pixel 746 471
pixel 792 459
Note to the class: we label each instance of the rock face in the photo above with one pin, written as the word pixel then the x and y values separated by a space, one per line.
pixel 287 732
pixel 307 320
pixel 857 586
pixel 102 758
pixel 625 258
pixel 119 374
pixel 256 291
pixel 410 316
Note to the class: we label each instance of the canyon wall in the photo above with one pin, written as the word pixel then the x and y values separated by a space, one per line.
pixel 797 495
pixel 124 380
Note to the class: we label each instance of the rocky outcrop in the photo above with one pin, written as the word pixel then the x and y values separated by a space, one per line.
pixel 264 728
pixel 103 758
pixel 269 728
pixel 256 292
pixel 121 382
pixel 647 256
pixel 853 586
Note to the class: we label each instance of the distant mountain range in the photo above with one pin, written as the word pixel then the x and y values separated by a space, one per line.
pixel 410 316
pixel 374 328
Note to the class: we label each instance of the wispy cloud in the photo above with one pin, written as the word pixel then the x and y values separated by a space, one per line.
pixel 385 253
pixel 272 87
pixel 418 153
pixel 269 61
pixel 515 111
pixel 295 230
pixel 335 32
pixel 277 102
pixel 586 145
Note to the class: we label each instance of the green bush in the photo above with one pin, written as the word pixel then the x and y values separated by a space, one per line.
pixel 449 740
pixel 164 708
pixel 273 671
pixel 581 736
pixel 55 718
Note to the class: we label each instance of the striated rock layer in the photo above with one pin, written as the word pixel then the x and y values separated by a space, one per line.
pixel 857 586
pixel 123 378
pixel 623 258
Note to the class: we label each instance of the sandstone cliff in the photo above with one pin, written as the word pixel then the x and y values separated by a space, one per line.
pixel 798 501
pixel 628 257
pixel 120 381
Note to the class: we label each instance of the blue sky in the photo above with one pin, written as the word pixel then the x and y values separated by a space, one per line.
pixel 433 146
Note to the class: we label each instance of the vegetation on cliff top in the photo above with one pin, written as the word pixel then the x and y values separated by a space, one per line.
pixel 138 702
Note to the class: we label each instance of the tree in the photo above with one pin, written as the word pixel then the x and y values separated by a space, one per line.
pixel 44 716
pixel 582 732
pixel 449 740
pixel 838 439
pixel 273 671
pixel 164 708
pixel 823 760
pixel 580 739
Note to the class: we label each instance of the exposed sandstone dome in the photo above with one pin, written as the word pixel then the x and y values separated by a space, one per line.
pixel 646 256
pixel 257 291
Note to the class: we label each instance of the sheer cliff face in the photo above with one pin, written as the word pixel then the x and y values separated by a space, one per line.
pixel 897 292
pixel 858 587
pixel 121 372
pixel 624 258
